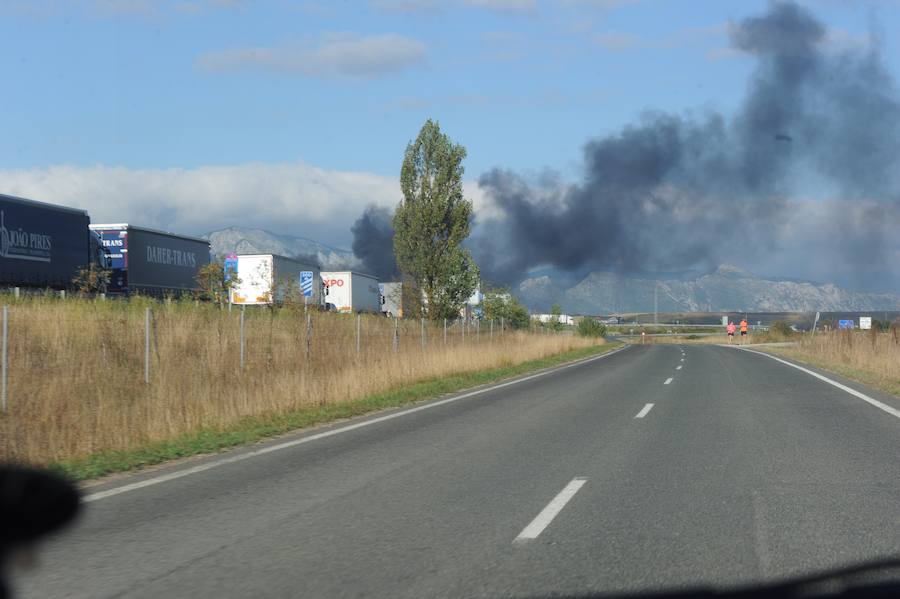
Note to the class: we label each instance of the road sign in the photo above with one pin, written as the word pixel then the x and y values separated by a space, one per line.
pixel 865 323
pixel 231 266
pixel 845 324
pixel 306 282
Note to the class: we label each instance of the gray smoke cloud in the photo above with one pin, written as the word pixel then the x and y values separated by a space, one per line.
pixel 373 243
pixel 677 192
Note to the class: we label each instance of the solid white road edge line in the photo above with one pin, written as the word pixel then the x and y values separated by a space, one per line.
pixel 543 520
pixel 881 406
pixel 344 429
pixel 644 411
pixel 668 380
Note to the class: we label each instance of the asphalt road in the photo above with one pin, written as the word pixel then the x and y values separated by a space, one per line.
pixel 743 470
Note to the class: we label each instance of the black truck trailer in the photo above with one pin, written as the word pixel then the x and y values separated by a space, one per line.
pixel 45 245
pixel 151 262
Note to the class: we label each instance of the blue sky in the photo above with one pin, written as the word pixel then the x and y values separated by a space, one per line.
pixel 522 84
pixel 179 113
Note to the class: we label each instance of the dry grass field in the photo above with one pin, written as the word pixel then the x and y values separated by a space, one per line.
pixel 867 356
pixel 76 368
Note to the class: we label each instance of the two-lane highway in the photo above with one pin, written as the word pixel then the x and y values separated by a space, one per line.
pixel 654 467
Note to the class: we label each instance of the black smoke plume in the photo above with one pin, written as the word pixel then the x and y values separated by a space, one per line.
pixel 373 243
pixel 676 192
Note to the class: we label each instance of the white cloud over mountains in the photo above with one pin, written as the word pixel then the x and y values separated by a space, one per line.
pixel 287 198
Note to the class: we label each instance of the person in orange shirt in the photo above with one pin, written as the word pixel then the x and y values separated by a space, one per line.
pixel 743 330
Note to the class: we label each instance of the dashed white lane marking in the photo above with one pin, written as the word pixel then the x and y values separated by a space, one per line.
pixel 682 359
pixel 881 406
pixel 543 520
pixel 678 367
pixel 668 380
pixel 644 411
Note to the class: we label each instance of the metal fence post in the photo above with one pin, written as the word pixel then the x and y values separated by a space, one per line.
pixel 147 346
pixel 477 330
pixel 492 329
pixel 501 325
pixel 16 292
pixel 242 338
pixel 357 334
pixel 423 332
pixel 5 350
pixel 396 333
pixel 445 331
pixel 308 334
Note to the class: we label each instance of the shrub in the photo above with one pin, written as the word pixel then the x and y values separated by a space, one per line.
pixel 782 328
pixel 589 327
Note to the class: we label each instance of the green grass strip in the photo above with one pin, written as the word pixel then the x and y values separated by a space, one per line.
pixel 249 430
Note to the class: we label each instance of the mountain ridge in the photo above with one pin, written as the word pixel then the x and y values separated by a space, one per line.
pixel 727 288
pixel 246 240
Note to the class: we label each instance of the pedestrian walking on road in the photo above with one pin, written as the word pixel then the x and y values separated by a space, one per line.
pixel 730 329
pixel 744 330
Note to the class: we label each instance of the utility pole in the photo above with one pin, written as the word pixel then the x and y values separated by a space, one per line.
pixel 656 304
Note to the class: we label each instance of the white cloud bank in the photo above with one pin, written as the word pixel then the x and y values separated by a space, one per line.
pixel 287 198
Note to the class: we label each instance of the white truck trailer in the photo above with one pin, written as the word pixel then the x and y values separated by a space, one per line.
pixel 391 299
pixel 349 292
pixel 268 278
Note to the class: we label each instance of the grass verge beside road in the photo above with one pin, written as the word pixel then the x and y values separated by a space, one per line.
pixel 870 358
pixel 254 429
pixel 89 377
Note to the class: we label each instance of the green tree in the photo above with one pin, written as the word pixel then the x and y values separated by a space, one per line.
pixel 431 222
pixel 91 279
pixel 498 304
pixel 555 313
pixel 215 283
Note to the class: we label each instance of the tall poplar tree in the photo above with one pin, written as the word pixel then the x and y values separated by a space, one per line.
pixel 431 222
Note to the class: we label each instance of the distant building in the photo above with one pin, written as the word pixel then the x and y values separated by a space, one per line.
pixel 546 318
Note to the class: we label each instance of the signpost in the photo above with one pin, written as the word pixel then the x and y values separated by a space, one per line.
pixel 306 283
pixel 306 287
pixel 230 269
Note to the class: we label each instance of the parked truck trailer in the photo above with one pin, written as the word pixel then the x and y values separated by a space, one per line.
pixel 268 278
pixel 44 245
pixel 151 262
pixel 391 299
pixel 348 292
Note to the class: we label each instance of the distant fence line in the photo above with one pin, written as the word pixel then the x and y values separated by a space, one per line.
pixel 371 332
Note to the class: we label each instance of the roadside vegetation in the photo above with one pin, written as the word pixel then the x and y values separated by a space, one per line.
pixel 870 357
pixel 590 327
pixel 77 367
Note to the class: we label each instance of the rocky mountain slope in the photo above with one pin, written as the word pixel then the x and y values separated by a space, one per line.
pixel 243 240
pixel 728 288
